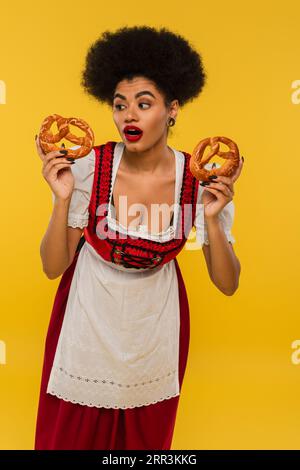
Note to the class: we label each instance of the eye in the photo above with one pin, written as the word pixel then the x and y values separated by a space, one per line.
pixel 146 104
pixel 117 105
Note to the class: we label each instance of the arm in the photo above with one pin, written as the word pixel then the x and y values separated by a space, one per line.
pixel 59 243
pixel 71 190
pixel 222 264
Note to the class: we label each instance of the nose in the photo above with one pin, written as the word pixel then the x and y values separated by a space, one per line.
pixel 130 114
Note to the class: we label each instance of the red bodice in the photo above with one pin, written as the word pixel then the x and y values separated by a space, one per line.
pixel 127 250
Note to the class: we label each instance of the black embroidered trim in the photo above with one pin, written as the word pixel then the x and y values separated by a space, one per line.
pixel 142 262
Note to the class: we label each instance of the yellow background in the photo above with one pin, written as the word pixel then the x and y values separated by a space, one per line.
pixel 241 389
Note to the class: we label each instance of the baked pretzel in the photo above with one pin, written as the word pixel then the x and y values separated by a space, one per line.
pixel 48 140
pixel 197 161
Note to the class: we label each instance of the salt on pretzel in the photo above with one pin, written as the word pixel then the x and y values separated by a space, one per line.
pixel 198 161
pixel 48 139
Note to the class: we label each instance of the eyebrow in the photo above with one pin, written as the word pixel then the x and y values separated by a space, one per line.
pixel 140 93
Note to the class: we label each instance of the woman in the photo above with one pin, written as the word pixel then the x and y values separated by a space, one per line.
pixel 117 343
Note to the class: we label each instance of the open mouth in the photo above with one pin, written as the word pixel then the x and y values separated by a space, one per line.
pixel 133 134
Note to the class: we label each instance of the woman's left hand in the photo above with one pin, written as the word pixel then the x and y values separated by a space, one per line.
pixel 219 192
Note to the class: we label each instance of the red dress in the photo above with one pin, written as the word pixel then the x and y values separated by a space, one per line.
pixel 65 425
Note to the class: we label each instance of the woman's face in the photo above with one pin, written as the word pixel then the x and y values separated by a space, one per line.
pixel 138 103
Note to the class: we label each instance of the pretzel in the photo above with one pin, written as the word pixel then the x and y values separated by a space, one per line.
pixel 48 140
pixel 197 161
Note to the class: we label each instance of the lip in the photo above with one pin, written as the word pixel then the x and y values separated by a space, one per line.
pixel 132 138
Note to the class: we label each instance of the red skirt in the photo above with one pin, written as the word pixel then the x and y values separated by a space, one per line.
pixel 69 426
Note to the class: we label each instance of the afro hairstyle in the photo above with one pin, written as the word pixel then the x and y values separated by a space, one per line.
pixel 161 56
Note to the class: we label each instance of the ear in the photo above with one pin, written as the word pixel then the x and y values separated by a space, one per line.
pixel 174 108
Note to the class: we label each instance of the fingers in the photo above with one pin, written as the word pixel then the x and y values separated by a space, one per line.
pixel 46 157
pixel 54 156
pixel 55 160
pixel 217 193
pixel 52 168
pixel 238 170
pixel 39 148
pixel 223 179
pixel 216 188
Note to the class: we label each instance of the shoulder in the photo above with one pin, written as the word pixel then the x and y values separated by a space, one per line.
pixel 83 170
pixel 106 151
pixel 180 157
pixel 84 166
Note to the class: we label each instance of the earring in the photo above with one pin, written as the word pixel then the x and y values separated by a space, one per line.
pixel 171 122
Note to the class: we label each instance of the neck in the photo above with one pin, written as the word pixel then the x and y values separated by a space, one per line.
pixel 151 160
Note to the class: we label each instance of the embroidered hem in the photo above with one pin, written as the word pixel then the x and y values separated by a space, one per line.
pixel 149 393
pixel 115 407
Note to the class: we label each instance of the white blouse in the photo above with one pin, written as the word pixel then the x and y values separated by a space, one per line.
pixel 83 171
pixel 119 346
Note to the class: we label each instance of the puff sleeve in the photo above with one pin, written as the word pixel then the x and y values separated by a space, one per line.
pixel 83 172
pixel 226 217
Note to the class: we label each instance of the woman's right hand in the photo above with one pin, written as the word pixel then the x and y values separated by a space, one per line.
pixel 57 172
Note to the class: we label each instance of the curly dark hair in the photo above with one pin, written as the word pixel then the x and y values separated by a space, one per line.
pixel 162 56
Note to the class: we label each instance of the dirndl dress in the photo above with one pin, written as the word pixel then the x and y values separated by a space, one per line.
pixel 63 423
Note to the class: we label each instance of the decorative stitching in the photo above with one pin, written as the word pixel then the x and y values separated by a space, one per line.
pixel 85 379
